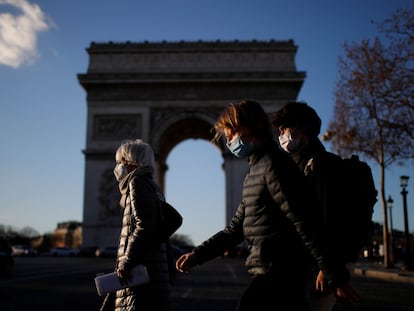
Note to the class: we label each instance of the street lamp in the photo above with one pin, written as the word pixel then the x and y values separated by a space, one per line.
pixel 408 265
pixel 390 202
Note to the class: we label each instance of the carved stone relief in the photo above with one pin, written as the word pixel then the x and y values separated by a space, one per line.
pixel 109 197
pixel 116 127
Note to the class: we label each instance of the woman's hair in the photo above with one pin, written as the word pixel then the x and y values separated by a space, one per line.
pixel 135 152
pixel 244 114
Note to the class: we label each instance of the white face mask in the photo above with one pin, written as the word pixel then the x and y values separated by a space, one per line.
pixel 288 144
pixel 120 171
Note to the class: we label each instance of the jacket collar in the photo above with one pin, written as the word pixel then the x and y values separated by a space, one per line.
pixel 139 171
pixel 261 151
pixel 313 148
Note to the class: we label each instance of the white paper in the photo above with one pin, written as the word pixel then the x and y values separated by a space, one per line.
pixel 110 282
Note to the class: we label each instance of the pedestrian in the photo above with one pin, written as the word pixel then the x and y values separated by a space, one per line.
pixel 139 242
pixel 298 126
pixel 275 218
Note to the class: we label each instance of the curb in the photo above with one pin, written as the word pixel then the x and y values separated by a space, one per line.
pixel 385 275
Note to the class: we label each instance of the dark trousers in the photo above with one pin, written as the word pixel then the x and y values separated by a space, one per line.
pixel 274 292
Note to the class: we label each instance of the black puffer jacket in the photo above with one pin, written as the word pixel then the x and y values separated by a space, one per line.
pixel 139 243
pixel 276 216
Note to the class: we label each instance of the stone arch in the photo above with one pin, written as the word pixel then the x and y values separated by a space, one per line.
pixel 167 92
pixel 172 130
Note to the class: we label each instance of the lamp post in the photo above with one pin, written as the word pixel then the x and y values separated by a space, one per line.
pixel 390 202
pixel 408 265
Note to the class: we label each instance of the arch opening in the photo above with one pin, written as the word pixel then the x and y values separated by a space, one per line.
pixel 195 185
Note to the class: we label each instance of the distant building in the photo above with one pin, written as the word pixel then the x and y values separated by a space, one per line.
pixel 67 234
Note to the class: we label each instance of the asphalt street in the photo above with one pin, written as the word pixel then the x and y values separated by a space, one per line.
pixel 50 283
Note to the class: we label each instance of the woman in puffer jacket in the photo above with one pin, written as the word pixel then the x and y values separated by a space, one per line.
pixel 139 241
pixel 276 218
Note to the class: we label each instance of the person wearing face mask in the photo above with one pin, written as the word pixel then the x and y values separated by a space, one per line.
pixel 298 126
pixel 139 241
pixel 273 218
pixel 291 140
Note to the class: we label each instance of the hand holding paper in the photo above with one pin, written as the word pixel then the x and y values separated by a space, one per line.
pixel 110 282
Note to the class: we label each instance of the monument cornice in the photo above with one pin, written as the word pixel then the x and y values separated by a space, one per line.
pixel 196 46
pixel 192 57
pixel 122 78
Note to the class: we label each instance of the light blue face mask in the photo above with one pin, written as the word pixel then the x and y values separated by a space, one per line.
pixel 240 149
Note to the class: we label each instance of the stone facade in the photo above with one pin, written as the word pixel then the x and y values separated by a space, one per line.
pixel 164 93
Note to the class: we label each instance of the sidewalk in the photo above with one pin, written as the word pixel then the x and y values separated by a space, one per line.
pixel 377 270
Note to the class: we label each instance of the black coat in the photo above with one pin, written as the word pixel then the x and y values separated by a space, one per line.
pixel 277 219
pixel 323 173
pixel 139 243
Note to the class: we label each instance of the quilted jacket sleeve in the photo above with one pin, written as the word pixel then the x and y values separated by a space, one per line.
pixel 227 238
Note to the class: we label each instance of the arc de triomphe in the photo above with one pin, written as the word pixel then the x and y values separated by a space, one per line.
pixel 167 92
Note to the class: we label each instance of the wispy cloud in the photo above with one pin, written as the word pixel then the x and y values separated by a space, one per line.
pixel 19 29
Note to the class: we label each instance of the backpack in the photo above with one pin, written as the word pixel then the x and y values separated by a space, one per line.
pixel 171 220
pixel 359 195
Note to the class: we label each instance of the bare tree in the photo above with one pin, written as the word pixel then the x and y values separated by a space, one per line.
pixel 374 108
pixel 29 232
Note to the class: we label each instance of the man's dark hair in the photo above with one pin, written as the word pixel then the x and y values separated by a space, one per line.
pixel 298 115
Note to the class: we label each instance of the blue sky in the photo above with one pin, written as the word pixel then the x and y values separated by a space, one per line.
pixel 43 107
